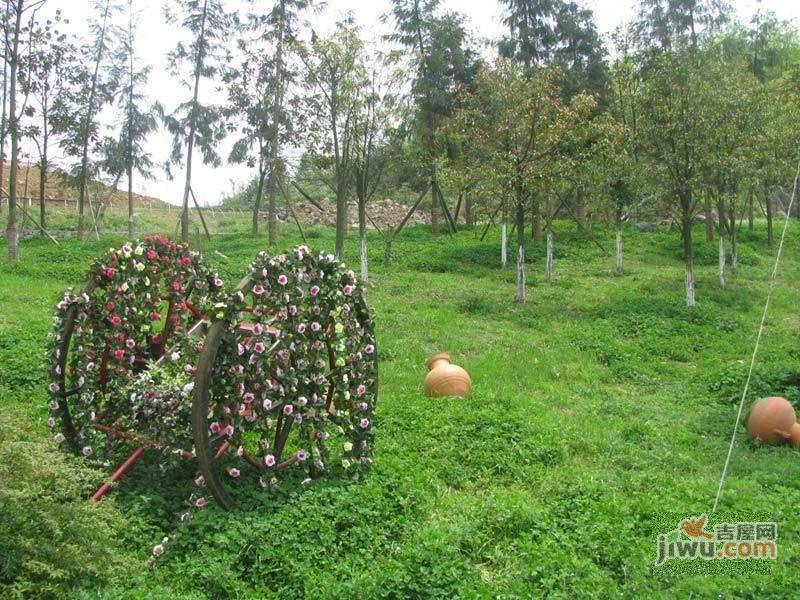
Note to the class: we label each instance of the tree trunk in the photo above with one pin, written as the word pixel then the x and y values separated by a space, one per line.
pixel 734 253
pixel 536 221
pixel 12 234
pixel 688 256
pixel 259 194
pixel 619 249
pixel 768 210
pixel 750 210
pixel 198 69
pixel 709 219
pixel 580 210
pixel 550 248
pixel 129 165
pixel 87 124
pixel 503 246
pixel 434 211
pixel 468 210
pixel 274 144
pixel 722 282
pixel 3 118
pixel 43 165
pixel 341 219
pixel 362 240
pixel 520 251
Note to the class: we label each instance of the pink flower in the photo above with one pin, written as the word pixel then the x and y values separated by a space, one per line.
pixel 217 282
pixel 152 254
pixel 302 455
pixel 116 321
pixel 267 404
pixel 293 310
pixel 176 286
pixel 119 354
pixel 215 428
pixel 348 289
pixel 282 279
pixel 364 423
pixel 301 328
pixel 259 347
pixel 109 272
pixel 258 329
pixel 288 409
pixel 110 306
pixel 314 290
pixel 233 472
pixel 248 397
pixel 90 366
pixel 369 348
pixel 258 289
pixel 361 389
pixel 200 502
pixel 130 344
pixel 315 326
pixel 53 387
pixel 269 460
pixel 240 349
pixel 229 430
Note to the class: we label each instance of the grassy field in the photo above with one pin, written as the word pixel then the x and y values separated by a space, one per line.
pixel 600 416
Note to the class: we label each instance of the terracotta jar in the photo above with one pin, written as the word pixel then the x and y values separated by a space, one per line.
pixel 771 420
pixel 794 435
pixel 444 379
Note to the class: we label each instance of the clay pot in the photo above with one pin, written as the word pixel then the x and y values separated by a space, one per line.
pixel 794 435
pixel 771 420
pixel 444 379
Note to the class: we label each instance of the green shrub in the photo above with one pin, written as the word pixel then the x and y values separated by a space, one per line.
pixel 51 538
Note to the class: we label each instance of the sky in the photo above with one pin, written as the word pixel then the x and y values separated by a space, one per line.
pixel 156 39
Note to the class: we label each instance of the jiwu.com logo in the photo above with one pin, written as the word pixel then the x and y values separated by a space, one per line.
pixel 728 541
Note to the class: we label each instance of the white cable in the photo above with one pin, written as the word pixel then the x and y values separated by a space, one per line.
pixel 758 341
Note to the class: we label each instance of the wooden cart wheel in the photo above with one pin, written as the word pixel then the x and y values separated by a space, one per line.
pixel 140 304
pixel 287 382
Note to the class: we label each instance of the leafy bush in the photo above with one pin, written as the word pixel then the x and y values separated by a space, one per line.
pixel 51 539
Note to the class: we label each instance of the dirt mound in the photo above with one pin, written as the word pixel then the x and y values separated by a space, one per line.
pixel 383 213
pixel 57 190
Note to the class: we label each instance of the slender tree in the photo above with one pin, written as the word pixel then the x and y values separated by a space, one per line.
pixel 16 32
pixel 336 78
pixel 258 91
pixel 51 52
pixel 193 123
pixel 138 119
pixel 98 94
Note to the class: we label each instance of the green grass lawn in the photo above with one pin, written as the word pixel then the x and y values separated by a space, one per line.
pixel 600 415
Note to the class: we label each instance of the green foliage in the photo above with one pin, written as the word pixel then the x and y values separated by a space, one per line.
pixel 551 479
pixel 51 538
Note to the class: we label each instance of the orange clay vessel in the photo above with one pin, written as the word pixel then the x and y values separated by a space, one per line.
pixel 794 435
pixel 444 379
pixel 771 420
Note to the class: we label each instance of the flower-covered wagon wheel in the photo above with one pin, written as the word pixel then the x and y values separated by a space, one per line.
pixel 287 382
pixel 120 347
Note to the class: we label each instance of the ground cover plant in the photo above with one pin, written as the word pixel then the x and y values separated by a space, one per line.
pixel 600 415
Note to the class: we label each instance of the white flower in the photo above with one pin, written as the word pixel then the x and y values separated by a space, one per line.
pixel 188 387
pixel 348 446
pixel 158 550
pixel 175 356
